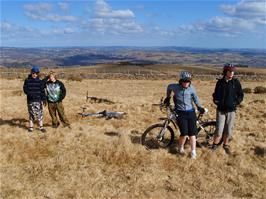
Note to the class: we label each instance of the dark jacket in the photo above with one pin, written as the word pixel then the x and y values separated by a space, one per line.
pixel 228 94
pixel 34 89
pixel 56 91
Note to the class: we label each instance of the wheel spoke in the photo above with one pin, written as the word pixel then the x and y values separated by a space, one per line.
pixel 153 139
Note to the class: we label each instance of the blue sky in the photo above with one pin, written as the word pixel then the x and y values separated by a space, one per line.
pixel 198 23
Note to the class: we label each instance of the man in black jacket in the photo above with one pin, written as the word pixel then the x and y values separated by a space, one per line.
pixel 227 96
pixel 56 92
pixel 34 88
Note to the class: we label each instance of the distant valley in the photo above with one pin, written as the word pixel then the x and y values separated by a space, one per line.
pixel 87 56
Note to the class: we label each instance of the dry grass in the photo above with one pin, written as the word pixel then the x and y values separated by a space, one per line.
pixel 101 158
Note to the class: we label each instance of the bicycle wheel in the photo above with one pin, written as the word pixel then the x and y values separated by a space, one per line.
pixel 150 137
pixel 205 135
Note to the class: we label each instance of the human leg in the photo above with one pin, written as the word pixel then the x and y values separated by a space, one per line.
pixel 61 113
pixel 31 116
pixel 228 131
pixel 39 115
pixel 192 130
pixel 183 128
pixel 52 107
pixel 220 122
pixel 229 124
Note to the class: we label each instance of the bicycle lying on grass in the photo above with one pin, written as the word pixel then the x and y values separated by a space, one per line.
pixel 161 135
pixel 106 114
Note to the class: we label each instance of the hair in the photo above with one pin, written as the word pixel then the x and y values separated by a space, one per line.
pixel 53 74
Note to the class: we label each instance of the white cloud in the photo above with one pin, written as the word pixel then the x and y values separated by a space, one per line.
pixel 69 30
pixel 219 25
pixel 14 31
pixel 246 9
pixel 6 26
pixel 11 30
pixel 38 7
pixel 42 12
pixel 107 20
pixel 254 11
pixel 63 6
pixel 102 9
pixel 244 16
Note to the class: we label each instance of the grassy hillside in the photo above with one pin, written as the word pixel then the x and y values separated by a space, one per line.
pixel 127 70
pixel 100 158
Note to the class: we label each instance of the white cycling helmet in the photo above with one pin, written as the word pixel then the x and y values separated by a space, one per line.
pixel 185 76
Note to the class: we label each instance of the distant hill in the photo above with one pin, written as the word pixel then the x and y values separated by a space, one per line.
pixel 86 56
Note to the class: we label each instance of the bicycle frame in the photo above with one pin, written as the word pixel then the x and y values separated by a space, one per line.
pixel 171 119
pixel 162 134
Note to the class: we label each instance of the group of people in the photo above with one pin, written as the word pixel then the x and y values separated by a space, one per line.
pixel 39 93
pixel 227 96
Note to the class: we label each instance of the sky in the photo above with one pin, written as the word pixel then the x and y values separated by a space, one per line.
pixel 185 23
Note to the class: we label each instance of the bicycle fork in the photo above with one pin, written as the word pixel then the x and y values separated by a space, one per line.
pixel 162 132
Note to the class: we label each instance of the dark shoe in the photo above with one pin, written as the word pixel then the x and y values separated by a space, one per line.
pixel 43 130
pixel 227 149
pixel 214 147
pixel 66 125
pixel 55 125
pixel 30 130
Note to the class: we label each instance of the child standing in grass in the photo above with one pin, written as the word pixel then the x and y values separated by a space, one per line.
pixel 34 88
pixel 56 92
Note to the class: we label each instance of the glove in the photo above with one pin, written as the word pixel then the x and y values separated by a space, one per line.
pixel 166 101
pixel 44 103
pixel 201 110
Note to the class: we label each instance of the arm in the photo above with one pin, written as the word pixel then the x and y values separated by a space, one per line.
pixel 214 95
pixel 43 94
pixel 195 97
pixel 63 91
pixel 239 94
pixel 168 95
pixel 25 87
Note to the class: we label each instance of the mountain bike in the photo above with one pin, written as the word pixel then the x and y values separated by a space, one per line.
pixel 161 135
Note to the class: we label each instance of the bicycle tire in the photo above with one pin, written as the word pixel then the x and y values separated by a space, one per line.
pixel 149 140
pixel 206 138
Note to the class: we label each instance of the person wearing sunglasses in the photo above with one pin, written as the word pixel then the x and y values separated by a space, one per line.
pixel 34 88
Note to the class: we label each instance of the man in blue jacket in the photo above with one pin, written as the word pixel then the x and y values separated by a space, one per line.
pixel 34 88
pixel 227 96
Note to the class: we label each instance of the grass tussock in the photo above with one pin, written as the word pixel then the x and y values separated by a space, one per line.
pixel 75 78
pixel 247 90
pixel 260 90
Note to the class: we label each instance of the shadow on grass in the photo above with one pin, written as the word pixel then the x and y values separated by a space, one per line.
pixel 15 122
pixel 112 133
pixel 18 122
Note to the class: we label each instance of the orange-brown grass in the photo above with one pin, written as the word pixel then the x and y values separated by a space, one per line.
pixel 100 158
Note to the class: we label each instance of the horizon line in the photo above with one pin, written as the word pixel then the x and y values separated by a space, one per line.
pixel 129 46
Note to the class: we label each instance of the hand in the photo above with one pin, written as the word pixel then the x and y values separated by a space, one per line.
pixel 166 101
pixel 201 110
pixel 44 103
pixel 216 102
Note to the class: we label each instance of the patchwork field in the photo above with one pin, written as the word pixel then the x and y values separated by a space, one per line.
pixel 100 158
